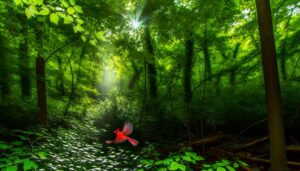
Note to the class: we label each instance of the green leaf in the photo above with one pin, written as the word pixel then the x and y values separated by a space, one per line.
pixel 71 10
pixel 198 158
pixel 44 12
pixel 187 158
pixel 79 21
pixel 78 8
pixel 219 164
pixel 206 165
pixel 236 165
pixel 100 35
pixel 162 169
pixel 72 2
pixel 4 146
pixel 221 169
pixel 54 18
pixel 64 3
pixel 42 154
pixel 10 168
pixel 39 2
pixel 230 168
pixel 29 164
pixel 175 166
pixel 78 28
pixel 69 19
pixel 83 38
pixel 19 2
pixel 243 163
pixel 30 11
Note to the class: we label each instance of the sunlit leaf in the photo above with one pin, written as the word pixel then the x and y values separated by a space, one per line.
pixel 93 42
pixel 64 3
pixel 69 19
pixel 42 154
pixel 30 11
pixel 83 38
pixel 71 10
pixel 54 18
pixel 39 2
pixel 230 168
pixel 44 12
pixel 100 35
pixel 29 164
pixel 78 8
pixel 72 2
pixel 177 166
pixel 221 169
pixel 19 2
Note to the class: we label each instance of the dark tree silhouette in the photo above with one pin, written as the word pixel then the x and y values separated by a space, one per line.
pixel 272 87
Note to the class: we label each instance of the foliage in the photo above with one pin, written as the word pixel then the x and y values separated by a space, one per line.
pixel 224 165
pixel 185 161
pixel 22 153
pixel 180 161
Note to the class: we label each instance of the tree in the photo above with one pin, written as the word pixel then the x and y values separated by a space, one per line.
pixel 272 87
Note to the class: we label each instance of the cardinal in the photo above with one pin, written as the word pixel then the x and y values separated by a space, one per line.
pixel 122 136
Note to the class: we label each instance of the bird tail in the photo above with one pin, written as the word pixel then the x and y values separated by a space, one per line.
pixel 132 141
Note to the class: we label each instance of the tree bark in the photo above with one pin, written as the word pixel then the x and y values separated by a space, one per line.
pixel 232 77
pixel 149 46
pixel 41 77
pixel 24 68
pixel 206 54
pixel 41 91
pixel 187 69
pixel 151 65
pixel 60 77
pixel 272 87
pixel 4 71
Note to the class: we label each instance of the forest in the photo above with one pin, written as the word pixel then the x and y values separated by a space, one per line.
pixel 149 85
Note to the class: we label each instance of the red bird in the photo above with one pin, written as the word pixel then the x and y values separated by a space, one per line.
pixel 121 136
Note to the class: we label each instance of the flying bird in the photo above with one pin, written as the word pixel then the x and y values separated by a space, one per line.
pixel 122 136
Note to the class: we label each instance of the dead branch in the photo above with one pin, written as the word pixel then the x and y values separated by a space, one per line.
pixel 252 143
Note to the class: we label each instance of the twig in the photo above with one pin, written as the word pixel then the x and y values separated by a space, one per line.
pixel 60 48
pixel 255 123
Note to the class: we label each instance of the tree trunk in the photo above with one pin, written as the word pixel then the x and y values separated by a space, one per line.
pixel 149 46
pixel 151 65
pixel 272 87
pixel 60 77
pixel 187 69
pixel 24 68
pixel 232 77
pixel 206 55
pixel 4 71
pixel 41 91
pixel 135 77
pixel 283 60
pixel 41 77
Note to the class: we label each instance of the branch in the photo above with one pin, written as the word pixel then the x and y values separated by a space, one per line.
pixel 60 48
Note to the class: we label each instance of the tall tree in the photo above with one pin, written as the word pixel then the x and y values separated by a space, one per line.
pixel 272 87
pixel 24 68
pixel 4 70
pixel 41 77
pixel 151 66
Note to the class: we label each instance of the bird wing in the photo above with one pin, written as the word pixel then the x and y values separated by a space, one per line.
pixel 127 129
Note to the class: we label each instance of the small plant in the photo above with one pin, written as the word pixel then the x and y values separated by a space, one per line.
pixel 20 154
pixel 224 165
pixel 182 161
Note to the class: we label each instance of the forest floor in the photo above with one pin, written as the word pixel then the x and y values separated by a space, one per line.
pixel 80 148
